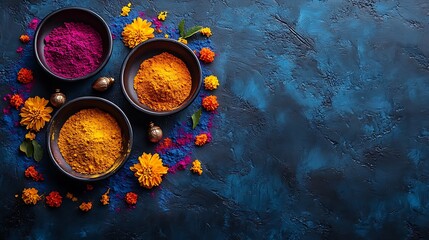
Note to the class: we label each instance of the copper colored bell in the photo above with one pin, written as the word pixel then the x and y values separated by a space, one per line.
pixel 58 98
pixel 103 83
pixel 154 133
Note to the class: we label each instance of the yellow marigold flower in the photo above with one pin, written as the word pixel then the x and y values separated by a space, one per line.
pixel 166 36
pixel 30 136
pixel 125 10
pixel 162 15
pixel 137 32
pixel 34 114
pixel 105 198
pixel 30 196
pixel 201 139
pixel 206 31
pixel 196 167
pixel 182 40
pixel 85 206
pixel 149 170
pixel 211 82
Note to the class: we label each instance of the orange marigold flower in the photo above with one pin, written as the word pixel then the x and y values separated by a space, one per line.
pixel 105 198
pixel 30 196
pixel 182 40
pixel 30 136
pixel 25 75
pixel 34 114
pixel 211 82
pixel 207 55
pixel 206 32
pixel 24 38
pixel 131 198
pixel 31 172
pixel 201 139
pixel 85 206
pixel 16 101
pixel 137 32
pixel 196 167
pixel 54 199
pixel 210 103
pixel 149 170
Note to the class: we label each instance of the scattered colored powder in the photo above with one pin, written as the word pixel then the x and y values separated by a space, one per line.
pixel 30 196
pixel 164 145
pixel 54 199
pixel 210 103
pixel 73 50
pixel 105 197
pixel 137 32
pixel 206 31
pixel 16 101
pixel 181 165
pixel 211 82
pixel 207 55
pixel 162 15
pixel 182 40
pixel 30 136
pixel 89 187
pixel 85 206
pixel 201 139
pixel 157 23
pixel 126 10
pixel 31 172
pixel 24 38
pixel 196 167
pixel 19 49
pixel 131 198
pixel 149 170
pixel 25 75
pixel 33 24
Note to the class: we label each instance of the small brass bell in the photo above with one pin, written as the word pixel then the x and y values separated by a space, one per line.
pixel 154 133
pixel 58 98
pixel 103 83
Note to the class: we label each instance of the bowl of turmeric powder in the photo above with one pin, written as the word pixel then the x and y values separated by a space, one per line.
pixel 89 138
pixel 161 77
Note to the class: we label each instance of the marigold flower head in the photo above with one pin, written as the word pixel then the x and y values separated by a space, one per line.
pixel 137 32
pixel 206 31
pixel 196 167
pixel 24 38
pixel 16 100
pixel 182 40
pixel 34 114
pixel 149 170
pixel 211 82
pixel 71 197
pixel 30 196
pixel 166 36
pixel 31 172
pixel 25 75
pixel 85 206
pixel 131 198
pixel 210 103
pixel 201 139
pixel 30 136
pixel 207 55
pixel 125 10
pixel 54 199
pixel 105 198
pixel 162 15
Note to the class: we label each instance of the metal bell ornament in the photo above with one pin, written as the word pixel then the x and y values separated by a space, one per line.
pixel 58 98
pixel 154 133
pixel 103 83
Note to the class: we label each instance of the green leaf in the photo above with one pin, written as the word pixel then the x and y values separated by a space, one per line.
pixel 27 148
pixel 38 151
pixel 182 28
pixel 196 118
pixel 192 31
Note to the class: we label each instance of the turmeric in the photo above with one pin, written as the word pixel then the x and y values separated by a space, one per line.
pixel 90 141
pixel 163 82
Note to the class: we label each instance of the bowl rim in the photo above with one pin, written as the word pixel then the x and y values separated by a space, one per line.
pixel 126 156
pixel 151 112
pixel 109 43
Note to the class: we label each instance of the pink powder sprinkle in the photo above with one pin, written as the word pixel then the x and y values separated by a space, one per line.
pixel 6 110
pixel 33 24
pixel 181 165
pixel 141 14
pixel 19 49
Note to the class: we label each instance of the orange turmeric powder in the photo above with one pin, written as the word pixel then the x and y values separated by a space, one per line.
pixel 163 82
pixel 90 141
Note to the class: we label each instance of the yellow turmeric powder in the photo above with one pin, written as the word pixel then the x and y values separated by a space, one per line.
pixel 90 141
pixel 163 82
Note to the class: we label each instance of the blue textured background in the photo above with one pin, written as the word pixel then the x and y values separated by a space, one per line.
pixel 323 130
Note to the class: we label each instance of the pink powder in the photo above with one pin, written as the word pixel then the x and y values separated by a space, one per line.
pixel 33 24
pixel 181 165
pixel 19 49
pixel 73 50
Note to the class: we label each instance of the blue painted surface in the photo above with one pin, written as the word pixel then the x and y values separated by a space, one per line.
pixel 322 132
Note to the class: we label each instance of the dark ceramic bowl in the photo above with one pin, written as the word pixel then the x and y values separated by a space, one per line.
pixel 149 49
pixel 78 15
pixel 73 107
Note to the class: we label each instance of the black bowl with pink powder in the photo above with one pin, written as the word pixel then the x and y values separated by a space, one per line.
pixel 73 43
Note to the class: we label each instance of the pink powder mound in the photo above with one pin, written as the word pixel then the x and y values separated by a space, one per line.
pixel 73 50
